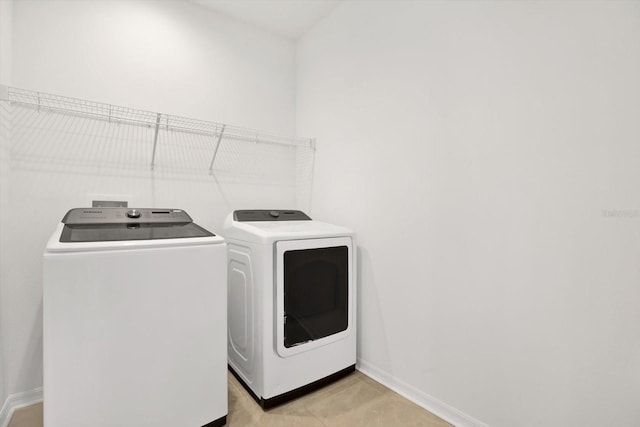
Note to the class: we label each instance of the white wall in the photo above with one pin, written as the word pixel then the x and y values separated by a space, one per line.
pixel 475 147
pixel 6 7
pixel 169 56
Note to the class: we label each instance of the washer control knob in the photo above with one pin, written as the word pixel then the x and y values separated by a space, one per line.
pixel 133 213
pixel 274 214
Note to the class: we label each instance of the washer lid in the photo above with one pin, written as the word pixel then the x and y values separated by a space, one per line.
pixel 123 224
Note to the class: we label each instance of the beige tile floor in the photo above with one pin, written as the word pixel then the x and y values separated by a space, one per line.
pixel 354 401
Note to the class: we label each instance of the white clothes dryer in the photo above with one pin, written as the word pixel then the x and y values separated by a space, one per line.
pixel 134 321
pixel 291 303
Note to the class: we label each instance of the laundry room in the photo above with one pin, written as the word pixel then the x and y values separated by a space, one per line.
pixel 414 212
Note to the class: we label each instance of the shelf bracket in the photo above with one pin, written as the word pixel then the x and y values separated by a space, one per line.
pixel 215 152
pixel 155 141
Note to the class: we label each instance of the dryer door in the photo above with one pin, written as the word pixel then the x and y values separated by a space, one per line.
pixel 314 293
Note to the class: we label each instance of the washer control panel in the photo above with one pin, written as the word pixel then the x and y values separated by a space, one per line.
pixel 133 213
pixel 80 216
pixel 269 215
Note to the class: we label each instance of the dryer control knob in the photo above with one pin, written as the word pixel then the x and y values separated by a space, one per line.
pixel 274 214
pixel 133 213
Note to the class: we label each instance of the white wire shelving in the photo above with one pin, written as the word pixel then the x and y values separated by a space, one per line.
pixel 58 128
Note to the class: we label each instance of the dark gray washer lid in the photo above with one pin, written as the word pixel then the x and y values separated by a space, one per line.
pixel 121 224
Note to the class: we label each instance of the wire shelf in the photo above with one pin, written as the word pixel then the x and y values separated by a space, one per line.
pixel 53 131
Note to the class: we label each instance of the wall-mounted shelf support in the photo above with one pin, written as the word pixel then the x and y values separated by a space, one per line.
pixel 155 140
pixel 215 152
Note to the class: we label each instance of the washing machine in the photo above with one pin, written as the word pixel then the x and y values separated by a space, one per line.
pixel 135 320
pixel 291 303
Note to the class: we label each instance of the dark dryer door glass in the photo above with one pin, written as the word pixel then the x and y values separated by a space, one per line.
pixel 316 293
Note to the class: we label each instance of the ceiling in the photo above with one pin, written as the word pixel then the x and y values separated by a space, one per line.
pixel 288 18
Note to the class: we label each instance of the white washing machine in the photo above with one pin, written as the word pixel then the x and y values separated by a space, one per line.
pixel 134 321
pixel 292 303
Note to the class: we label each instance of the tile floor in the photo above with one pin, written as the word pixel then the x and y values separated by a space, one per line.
pixel 354 401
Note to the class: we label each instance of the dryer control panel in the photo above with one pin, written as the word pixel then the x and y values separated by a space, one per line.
pixel 269 215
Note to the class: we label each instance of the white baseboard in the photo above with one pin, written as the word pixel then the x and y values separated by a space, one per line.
pixel 17 401
pixel 431 404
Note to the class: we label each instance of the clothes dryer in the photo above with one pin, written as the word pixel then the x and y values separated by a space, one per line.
pixel 291 302
pixel 134 321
